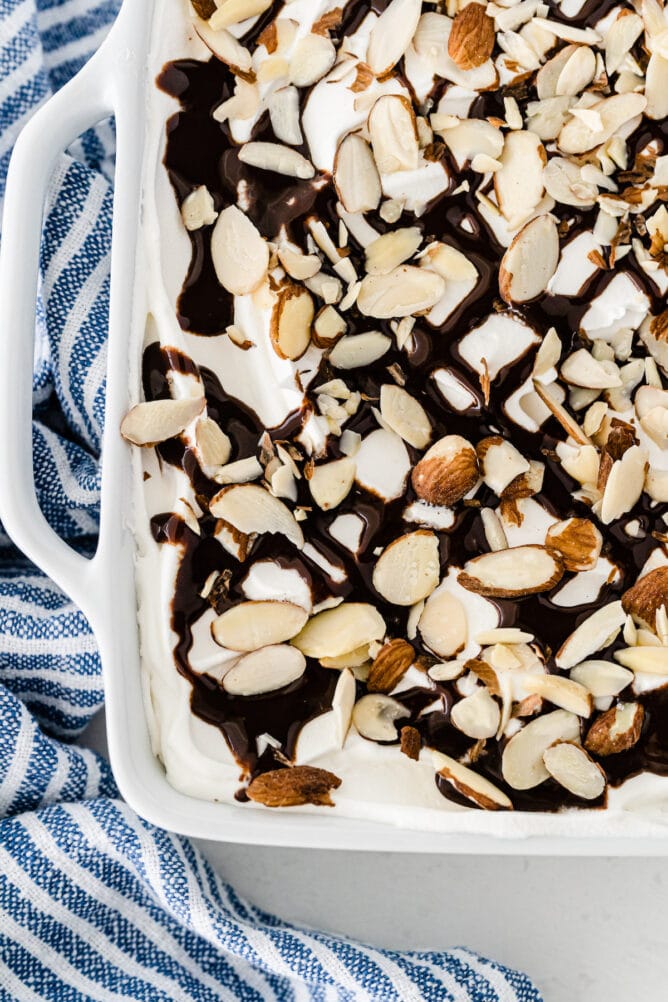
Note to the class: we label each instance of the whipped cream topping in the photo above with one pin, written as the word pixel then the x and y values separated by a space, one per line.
pixel 540 336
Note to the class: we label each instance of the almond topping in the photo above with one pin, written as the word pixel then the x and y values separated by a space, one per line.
pixel 530 261
pixel 563 692
pixel 390 665
pixel 443 624
pixel 595 632
pixel 265 670
pixel 375 716
pixel 472 37
pixel 577 542
pixel 617 730
pixel 331 482
pixel 522 762
pixel 277 158
pixel 512 573
pixel 301 784
pixel 393 133
pixel 157 421
pixel 250 509
pixel 291 322
pixel 470 784
pixel 478 715
pixel 411 742
pixel 391 35
pixel 573 769
pixel 356 175
pixel 251 625
pixel 405 415
pixel 446 472
pixel 407 570
pixel 405 291
pixel 231 12
pixel 240 254
pixel 647 596
pixel 339 630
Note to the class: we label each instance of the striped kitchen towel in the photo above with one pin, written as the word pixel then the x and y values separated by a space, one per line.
pixel 95 903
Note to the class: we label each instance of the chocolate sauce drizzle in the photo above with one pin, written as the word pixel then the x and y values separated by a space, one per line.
pixel 201 152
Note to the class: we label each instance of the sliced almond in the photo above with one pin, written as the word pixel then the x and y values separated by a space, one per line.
pixel 390 665
pixel 647 660
pixel 401 293
pixel 265 670
pixel 616 730
pixel 299 266
pixel 408 569
pixel 352 659
pixel 213 445
pixel 446 472
pixel 624 484
pixel 312 58
pixel 522 762
pixel 594 633
pixel 250 509
pixel 602 678
pixel 619 39
pixel 356 175
pixel 391 35
pixel 580 135
pixel 519 184
pixel 393 133
pixel 411 742
pixel 471 138
pixel 231 12
pixel 471 784
pixel 244 103
pixel 301 784
pixel 240 254
pixel 331 482
pixel 563 692
pixel 656 86
pixel 472 37
pixel 284 112
pixel 443 624
pixel 391 249
pixel 478 715
pixel 495 534
pixel 564 183
pixel 530 261
pixel 577 542
pixel 198 209
pixel 500 462
pixel 573 769
pixel 359 350
pixel 277 158
pixel 224 46
pixel 251 625
pixel 291 322
pixel 644 599
pixel 512 573
pixel 240 472
pixel 328 327
pixel 339 630
pixel 156 421
pixel 405 415
pixel 375 717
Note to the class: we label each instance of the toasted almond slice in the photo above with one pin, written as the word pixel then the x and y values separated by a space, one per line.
pixel 404 415
pixel 357 350
pixel 375 717
pixel 243 104
pixel 312 58
pixel 649 660
pixel 231 12
pixel 564 183
pixel 330 483
pixel 602 678
pixel 393 133
pixel 391 35
pixel 204 8
pixel 283 105
pixel 265 670
pixel 494 532
pixel 522 760
pixel 471 784
pixel 401 293
pixel 620 38
pixel 644 599
pixel 156 421
pixel 578 71
pixel 656 86
pixel 568 423
pixel 297 265
pixel 478 715
pixel 500 462
pixel 391 249
pixel 563 692
pixel 213 445
pixel 198 209
pixel 582 369
pixel 548 75
pixel 240 472
pixel 472 138
pixel 224 46
pixel 577 542
pixel 512 573
pixel 390 665
pixel 595 632
pixel 240 254
pixel 581 135
pixel 624 484
pixel 336 631
pixel 519 184
pixel 472 37
pixel 616 730
pixel 443 624
pixel 407 570
pixel 573 769
pixel 356 175
pixel 251 625
pixel 250 509
pixel 278 158
pixel 446 472
pixel 530 261
pixel 291 322
pixel 301 784
pixel 328 327
pixel 351 659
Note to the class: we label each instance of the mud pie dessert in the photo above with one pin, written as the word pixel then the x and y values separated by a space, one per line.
pixel 405 435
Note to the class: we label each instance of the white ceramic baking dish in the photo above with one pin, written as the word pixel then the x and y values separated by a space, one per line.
pixel 119 80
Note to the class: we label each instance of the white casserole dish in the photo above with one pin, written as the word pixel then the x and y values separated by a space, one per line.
pixel 120 80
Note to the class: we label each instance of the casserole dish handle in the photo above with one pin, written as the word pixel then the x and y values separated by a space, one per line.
pixel 85 100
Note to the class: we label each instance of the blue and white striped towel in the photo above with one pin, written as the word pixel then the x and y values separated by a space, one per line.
pixel 95 903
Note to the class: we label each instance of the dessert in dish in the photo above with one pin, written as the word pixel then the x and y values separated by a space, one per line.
pixel 404 479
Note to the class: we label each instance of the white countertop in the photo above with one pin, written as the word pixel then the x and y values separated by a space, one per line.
pixel 586 930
